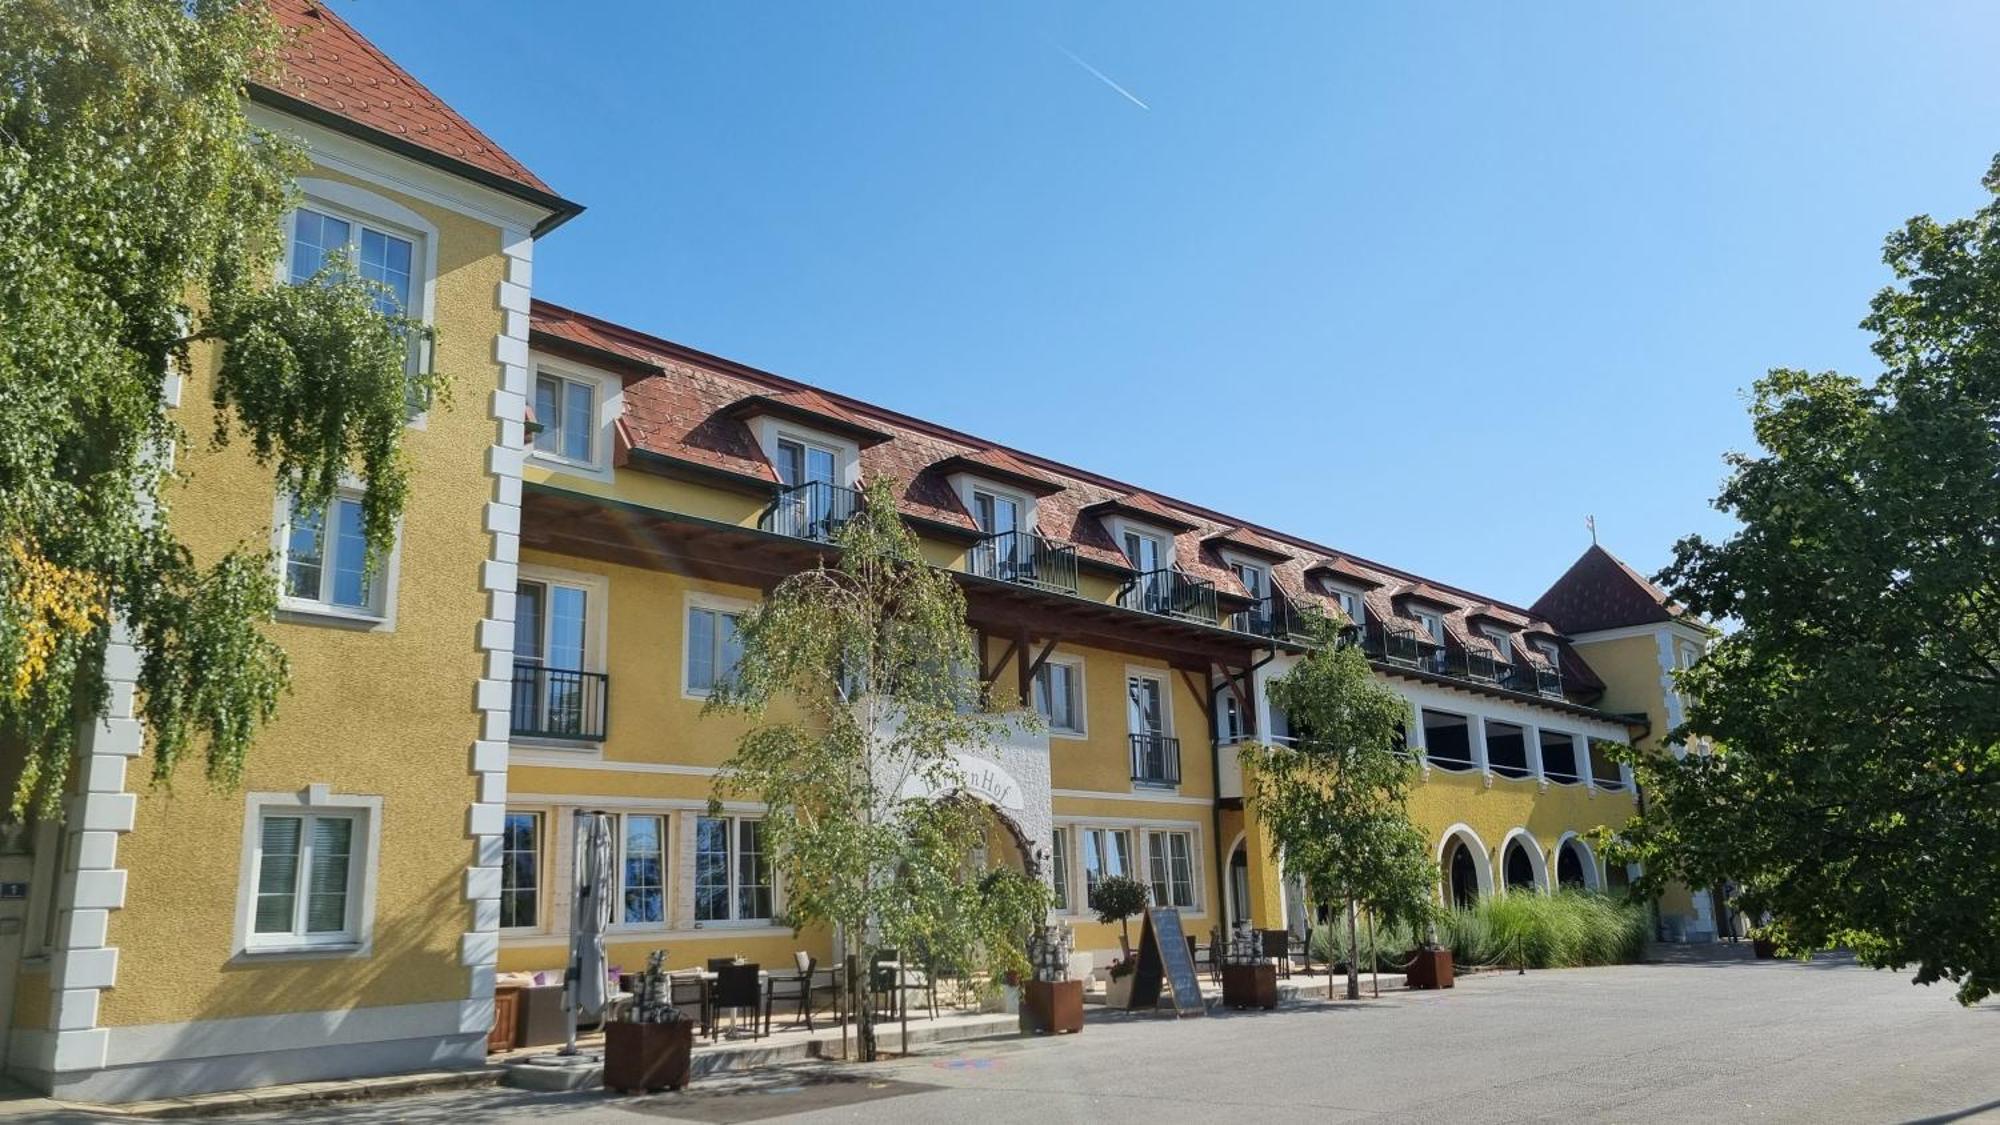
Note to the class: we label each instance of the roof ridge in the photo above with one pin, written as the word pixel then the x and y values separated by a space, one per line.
pixel 641 338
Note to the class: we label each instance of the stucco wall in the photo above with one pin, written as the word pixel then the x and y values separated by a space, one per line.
pixel 388 714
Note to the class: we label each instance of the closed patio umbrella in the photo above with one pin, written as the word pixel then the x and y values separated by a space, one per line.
pixel 590 913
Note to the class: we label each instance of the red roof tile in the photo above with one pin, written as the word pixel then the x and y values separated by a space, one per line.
pixel 1001 467
pixel 687 411
pixel 328 65
pixel 1250 543
pixel 811 408
pixel 1599 591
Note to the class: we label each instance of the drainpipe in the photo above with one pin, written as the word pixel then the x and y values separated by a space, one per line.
pixel 1215 775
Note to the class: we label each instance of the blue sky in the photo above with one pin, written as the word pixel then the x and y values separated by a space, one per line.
pixel 1426 282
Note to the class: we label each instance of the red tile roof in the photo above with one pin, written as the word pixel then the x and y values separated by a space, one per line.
pixel 687 410
pixel 328 65
pixel 1598 592
pixel 811 408
pixel 1002 467
pixel 1248 542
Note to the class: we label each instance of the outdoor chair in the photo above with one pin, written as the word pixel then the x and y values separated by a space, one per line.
pixel 884 982
pixel 1195 955
pixel 1218 945
pixel 1302 947
pixel 796 989
pixel 1278 944
pixel 737 987
pixel 687 990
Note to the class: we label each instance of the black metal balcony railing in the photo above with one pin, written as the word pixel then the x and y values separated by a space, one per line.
pixel 1026 558
pixel 1410 649
pixel 813 510
pixel 1156 759
pixel 559 703
pixel 1274 617
pixel 1484 668
pixel 1170 593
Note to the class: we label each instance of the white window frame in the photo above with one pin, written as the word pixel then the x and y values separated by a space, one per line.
pixel 1082 729
pixel 363 864
pixel 1165 540
pixel 1432 622
pixel 1103 832
pixel 378 616
pixel 361 207
pixel 1136 672
pixel 847 454
pixel 1351 601
pixel 1151 835
pixel 1502 642
pixel 1549 651
pixel 666 919
pixel 596 641
pixel 1239 563
pixel 543 897
pixel 607 403
pixel 1062 882
pixel 735 849
pixel 713 603
pixel 968 486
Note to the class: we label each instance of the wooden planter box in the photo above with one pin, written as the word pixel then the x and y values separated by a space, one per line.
pixel 1052 1007
pixel 1250 986
pixel 647 1056
pixel 1430 968
pixel 1763 949
pixel 506 1033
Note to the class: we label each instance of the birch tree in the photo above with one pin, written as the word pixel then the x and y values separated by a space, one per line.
pixel 859 671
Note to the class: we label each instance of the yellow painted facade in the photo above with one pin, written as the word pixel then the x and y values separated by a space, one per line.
pixel 384 713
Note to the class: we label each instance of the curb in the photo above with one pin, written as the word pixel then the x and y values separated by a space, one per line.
pixel 295 1095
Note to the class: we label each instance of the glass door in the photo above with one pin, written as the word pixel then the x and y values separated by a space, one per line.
pixel 1149 558
pixel 1000 518
pixel 802 463
pixel 1147 717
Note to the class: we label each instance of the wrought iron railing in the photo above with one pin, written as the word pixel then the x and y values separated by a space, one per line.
pixel 1170 593
pixel 814 510
pixel 560 703
pixel 1483 667
pixel 1026 558
pixel 1273 616
pixel 1156 759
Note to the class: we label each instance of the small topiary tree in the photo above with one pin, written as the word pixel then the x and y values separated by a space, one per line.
pixel 1117 898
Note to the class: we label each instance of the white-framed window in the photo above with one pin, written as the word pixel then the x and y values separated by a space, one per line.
pixel 1503 644
pixel 1230 720
pixel 308 873
pixel 642 870
pixel 566 411
pixel 1059 867
pixel 1689 654
pixel 397 255
pixel 1171 861
pixel 1106 852
pixel 1256 579
pixel 732 879
pixel 1058 690
pixel 714 647
pixel 323 561
pixel 1432 624
pixel 556 691
pixel 1351 603
pixel 521 871
pixel 997 513
pixel 1551 651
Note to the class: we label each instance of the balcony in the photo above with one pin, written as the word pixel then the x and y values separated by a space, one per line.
pixel 559 704
pixel 1274 617
pixel 814 510
pixel 1156 759
pixel 1410 649
pixel 1485 668
pixel 1535 680
pixel 1170 593
pixel 1025 558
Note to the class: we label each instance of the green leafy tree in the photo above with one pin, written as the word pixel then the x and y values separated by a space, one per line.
pixel 1335 801
pixel 140 232
pixel 863 658
pixel 1117 898
pixel 1854 794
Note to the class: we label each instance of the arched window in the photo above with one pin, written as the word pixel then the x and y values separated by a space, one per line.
pixel 1517 868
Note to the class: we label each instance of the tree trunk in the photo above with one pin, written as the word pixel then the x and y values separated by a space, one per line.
pixel 1353 953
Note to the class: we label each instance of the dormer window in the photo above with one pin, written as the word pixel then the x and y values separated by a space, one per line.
pixel 1432 624
pixel 1503 644
pixel 995 513
pixel 1350 604
pixel 1256 579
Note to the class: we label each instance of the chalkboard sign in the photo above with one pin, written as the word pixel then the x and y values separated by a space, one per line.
pixel 1164 960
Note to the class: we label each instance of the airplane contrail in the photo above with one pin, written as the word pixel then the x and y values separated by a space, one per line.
pixel 1101 76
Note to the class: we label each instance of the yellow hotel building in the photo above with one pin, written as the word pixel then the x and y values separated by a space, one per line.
pixel 587 519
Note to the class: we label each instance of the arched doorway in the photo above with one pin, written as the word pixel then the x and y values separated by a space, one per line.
pixel 1516 868
pixel 1239 884
pixel 1576 868
pixel 1461 874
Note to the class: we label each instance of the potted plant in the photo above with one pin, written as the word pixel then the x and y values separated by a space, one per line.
pixel 650 1048
pixel 1053 1002
pixel 1430 963
pixel 1118 898
pixel 1249 979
